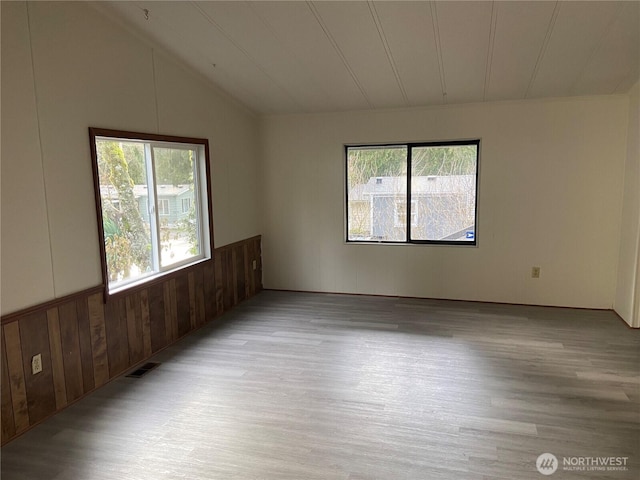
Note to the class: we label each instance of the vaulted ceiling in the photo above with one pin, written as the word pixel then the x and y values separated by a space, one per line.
pixel 296 56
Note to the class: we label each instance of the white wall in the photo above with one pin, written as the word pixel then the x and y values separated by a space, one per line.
pixel 627 300
pixel 550 183
pixel 550 189
pixel 66 67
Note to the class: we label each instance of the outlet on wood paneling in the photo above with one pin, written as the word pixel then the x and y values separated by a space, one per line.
pixel 85 342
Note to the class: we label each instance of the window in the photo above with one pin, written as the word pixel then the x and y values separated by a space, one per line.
pixel 401 213
pixel 141 181
pixel 412 193
pixel 163 206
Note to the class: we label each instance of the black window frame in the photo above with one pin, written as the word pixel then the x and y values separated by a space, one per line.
pixel 410 146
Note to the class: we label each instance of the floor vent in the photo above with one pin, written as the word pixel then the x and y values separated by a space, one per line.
pixel 143 370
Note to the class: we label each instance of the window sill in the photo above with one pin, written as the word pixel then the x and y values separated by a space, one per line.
pixel 419 243
pixel 152 280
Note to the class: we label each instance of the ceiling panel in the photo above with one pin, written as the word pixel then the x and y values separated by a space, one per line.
pixel 408 27
pixel 299 30
pixel 464 29
pixel 294 56
pixel 519 36
pixel 184 31
pixel 260 42
pixel 578 30
pixel 615 63
pixel 353 28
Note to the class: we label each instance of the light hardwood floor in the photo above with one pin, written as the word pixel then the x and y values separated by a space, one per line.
pixel 314 386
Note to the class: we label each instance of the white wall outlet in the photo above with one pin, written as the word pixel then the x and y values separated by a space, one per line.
pixel 535 272
pixel 36 363
pixel 255 264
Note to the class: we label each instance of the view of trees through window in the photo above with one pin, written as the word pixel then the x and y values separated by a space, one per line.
pixel 412 192
pixel 150 209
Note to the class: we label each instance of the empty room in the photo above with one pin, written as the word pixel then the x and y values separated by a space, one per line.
pixel 324 240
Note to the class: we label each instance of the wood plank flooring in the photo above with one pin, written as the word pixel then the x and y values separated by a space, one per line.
pixel 315 386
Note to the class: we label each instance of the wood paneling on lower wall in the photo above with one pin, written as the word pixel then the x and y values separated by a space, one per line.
pixel 85 342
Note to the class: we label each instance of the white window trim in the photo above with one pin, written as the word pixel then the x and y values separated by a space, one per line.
pixel 165 212
pixel 414 212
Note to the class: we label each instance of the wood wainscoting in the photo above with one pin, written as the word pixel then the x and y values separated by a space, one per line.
pixel 85 342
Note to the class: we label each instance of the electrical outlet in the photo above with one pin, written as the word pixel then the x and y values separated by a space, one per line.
pixel 255 264
pixel 535 272
pixel 36 363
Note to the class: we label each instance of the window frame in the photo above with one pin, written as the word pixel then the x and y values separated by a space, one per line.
pixel 206 207
pixel 165 212
pixel 409 200
pixel 413 210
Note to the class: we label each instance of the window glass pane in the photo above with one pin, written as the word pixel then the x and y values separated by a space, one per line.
pixel 377 187
pixel 125 210
pixel 177 204
pixel 443 192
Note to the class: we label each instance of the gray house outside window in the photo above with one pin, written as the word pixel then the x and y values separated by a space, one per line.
pixel 442 207
pixel 171 199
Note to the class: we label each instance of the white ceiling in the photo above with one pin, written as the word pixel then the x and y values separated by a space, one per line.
pixel 296 56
